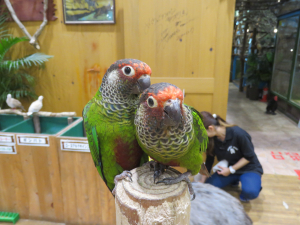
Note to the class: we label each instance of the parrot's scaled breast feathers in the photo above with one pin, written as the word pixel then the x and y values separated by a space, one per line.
pixel 161 142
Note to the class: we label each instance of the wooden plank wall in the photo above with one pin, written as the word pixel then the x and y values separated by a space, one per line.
pixel 185 42
pixel 86 199
pixel 30 182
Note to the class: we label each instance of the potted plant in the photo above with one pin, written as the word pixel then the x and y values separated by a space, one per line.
pixel 258 73
pixel 252 77
pixel 14 76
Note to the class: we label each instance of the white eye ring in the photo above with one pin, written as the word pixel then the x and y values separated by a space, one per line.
pixel 151 102
pixel 128 71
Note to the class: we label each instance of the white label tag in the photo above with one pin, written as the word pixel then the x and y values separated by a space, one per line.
pixel 33 141
pixel 7 149
pixel 73 145
pixel 9 138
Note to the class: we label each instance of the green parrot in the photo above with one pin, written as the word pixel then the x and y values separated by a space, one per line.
pixel 109 120
pixel 170 132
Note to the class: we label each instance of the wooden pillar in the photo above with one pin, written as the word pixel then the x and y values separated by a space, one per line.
pixel 141 202
pixel 36 123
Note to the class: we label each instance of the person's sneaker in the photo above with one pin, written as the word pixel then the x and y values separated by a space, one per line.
pixel 243 199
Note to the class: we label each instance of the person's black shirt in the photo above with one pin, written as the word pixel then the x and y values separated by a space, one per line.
pixel 237 144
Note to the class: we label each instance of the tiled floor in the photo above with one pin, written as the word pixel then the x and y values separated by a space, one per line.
pixel 276 138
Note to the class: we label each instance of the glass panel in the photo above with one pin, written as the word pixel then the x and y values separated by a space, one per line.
pixel 286 38
pixel 295 95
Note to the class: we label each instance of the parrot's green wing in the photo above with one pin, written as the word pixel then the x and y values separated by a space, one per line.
pixel 94 143
pixel 199 128
pixel 96 154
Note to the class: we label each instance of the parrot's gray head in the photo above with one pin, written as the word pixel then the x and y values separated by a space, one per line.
pixel 162 103
pixel 125 78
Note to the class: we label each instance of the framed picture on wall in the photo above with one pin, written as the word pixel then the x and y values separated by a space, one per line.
pixel 89 11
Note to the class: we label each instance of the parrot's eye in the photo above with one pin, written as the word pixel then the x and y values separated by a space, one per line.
pixel 151 102
pixel 128 71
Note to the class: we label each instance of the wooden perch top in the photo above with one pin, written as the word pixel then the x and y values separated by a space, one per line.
pixel 41 113
pixel 143 202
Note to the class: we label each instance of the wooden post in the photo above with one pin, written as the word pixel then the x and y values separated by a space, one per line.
pixel 36 123
pixel 84 132
pixel 143 202
pixel 70 120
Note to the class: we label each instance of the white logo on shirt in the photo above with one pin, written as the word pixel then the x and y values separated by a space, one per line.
pixel 232 149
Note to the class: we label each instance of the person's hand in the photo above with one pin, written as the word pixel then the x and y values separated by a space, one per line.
pixel 224 171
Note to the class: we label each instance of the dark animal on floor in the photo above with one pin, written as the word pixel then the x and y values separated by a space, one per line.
pixel 272 106
pixel 217 207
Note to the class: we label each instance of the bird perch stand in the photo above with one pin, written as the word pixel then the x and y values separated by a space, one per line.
pixel 141 202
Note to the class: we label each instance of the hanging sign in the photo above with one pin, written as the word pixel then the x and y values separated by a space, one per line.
pixel 33 140
pixel 74 145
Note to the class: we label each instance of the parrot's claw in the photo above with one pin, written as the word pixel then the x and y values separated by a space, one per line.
pixel 121 176
pixel 158 170
pixel 194 196
pixel 181 177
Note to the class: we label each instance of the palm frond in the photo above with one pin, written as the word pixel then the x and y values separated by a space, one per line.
pixel 36 59
pixel 7 42
pixel 3 30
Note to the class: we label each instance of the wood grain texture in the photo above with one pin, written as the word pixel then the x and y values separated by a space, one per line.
pixel 184 42
pixel 177 39
pixel 30 182
pixel 268 208
pixel 144 202
pixel 86 199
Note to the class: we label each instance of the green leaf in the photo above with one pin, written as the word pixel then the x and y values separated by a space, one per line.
pixel 35 59
pixel 7 43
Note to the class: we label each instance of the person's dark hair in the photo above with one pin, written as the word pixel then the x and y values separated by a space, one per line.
pixel 208 119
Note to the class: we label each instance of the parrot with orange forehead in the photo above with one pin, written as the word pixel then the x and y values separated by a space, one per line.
pixel 109 120
pixel 170 132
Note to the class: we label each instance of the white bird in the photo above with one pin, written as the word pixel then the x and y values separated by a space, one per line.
pixel 215 206
pixel 35 106
pixel 13 103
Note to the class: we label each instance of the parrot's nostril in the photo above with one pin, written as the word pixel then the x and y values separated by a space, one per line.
pixel 166 112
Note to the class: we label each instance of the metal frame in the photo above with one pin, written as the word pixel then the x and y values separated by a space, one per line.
pixel 90 22
pixel 292 73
